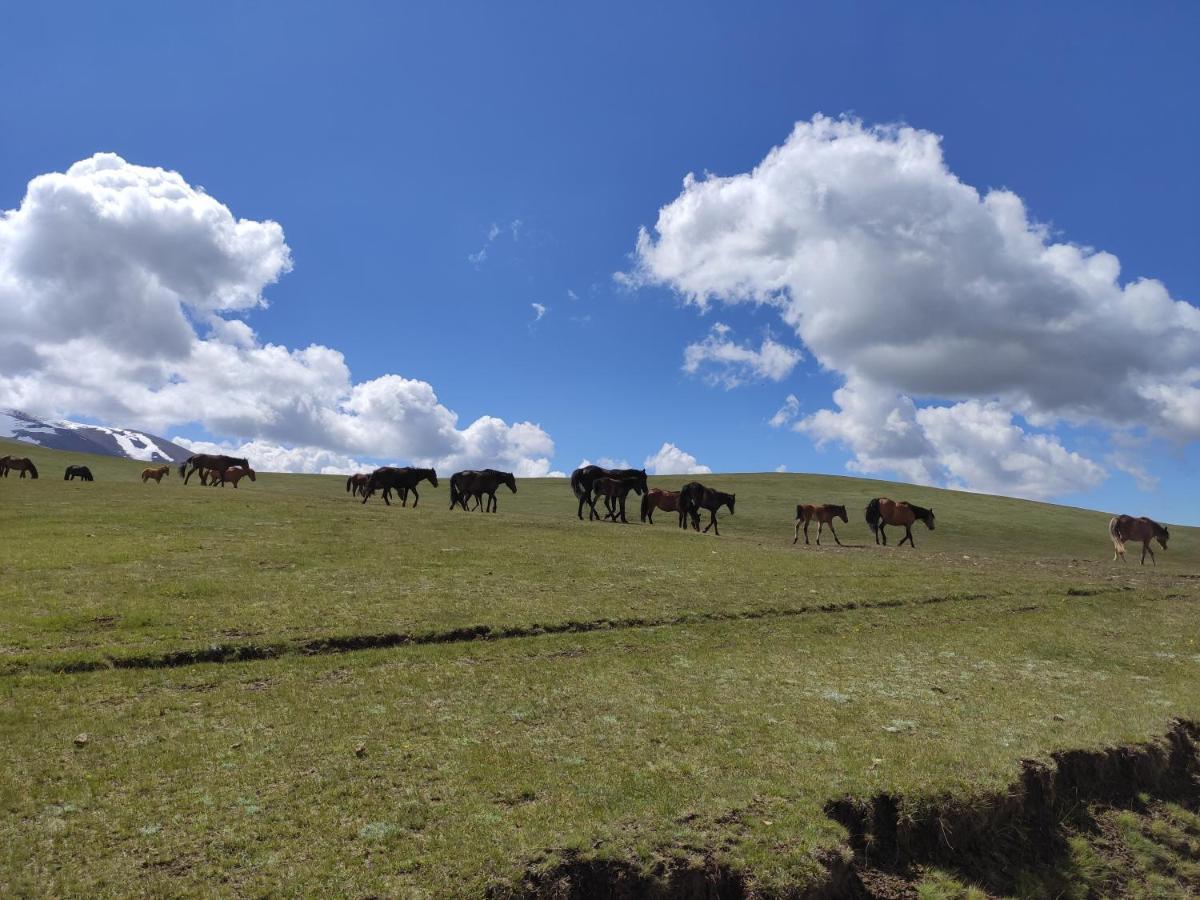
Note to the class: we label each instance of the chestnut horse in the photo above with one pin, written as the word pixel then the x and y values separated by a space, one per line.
pixel 882 511
pixel 233 475
pixel 657 498
pixel 155 472
pixel 356 483
pixel 694 497
pixel 20 464
pixel 1127 528
pixel 614 491
pixel 806 512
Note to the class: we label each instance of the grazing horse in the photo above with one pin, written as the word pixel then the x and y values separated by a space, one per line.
pixel 158 473
pixel 1127 528
pixel 657 498
pixel 882 511
pixel 202 461
pixel 614 491
pixel 806 512
pixel 233 475
pixel 74 472
pixel 402 480
pixel 583 478
pixel 19 463
pixel 694 497
pixel 471 483
pixel 356 482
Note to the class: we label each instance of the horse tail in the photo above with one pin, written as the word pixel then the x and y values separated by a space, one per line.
pixel 799 511
pixel 183 467
pixel 349 482
pixel 645 505
pixel 576 484
pixel 1114 532
pixel 873 515
pixel 455 494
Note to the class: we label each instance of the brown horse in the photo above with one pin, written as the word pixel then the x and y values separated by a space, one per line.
pixel 614 491
pixel 694 497
pixel 806 512
pixel 472 483
pixel 155 472
pixel 1127 528
pixel 882 511
pixel 201 461
pixel 356 483
pixel 18 463
pixel 232 475
pixel 657 498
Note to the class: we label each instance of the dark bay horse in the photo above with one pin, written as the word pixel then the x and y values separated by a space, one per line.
pixel 202 461
pixel 657 498
pixel 614 491
pixel 18 463
pixel 1127 528
pixel 477 483
pixel 806 512
pixel 356 482
pixel 74 472
pixel 155 472
pixel 583 478
pixel 694 497
pixel 882 511
pixel 401 480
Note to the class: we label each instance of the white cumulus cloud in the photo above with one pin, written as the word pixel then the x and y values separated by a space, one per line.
pixel 915 286
pixel 729 363
pixel 670 460
pixel 121 289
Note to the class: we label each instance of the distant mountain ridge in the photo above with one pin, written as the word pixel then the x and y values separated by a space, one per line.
pixel 62 434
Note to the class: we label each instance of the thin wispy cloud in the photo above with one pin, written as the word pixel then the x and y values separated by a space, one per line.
pixel 494 232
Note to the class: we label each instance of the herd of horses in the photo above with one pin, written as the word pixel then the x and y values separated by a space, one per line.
pixel 592 484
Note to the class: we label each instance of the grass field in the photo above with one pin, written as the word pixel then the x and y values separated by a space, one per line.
pixel 541 697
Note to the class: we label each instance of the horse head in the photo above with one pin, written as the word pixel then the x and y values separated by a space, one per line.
pixel 511 481
pixel 250 473
pixel 432 476
pixel 1162 536
pixel 729 498
pixel 641 485
pixel 928 518
pixel 840 511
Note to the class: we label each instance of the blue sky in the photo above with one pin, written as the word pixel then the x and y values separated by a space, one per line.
pixel 387 142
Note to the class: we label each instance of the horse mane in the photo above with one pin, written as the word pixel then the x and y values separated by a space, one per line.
pixel 920 512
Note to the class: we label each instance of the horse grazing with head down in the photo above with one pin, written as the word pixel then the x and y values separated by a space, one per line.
pixel 694 497
pixel 478 483
pixel 806 512
pixel 583 478
pixel 157 473
pixel 401 480
pixel 17 463
pixel 232 475
pixel 882 511
pixel 74 472
pixel 201 461
pixel 356 482
pixel 657 498
pixel 1127 528
pixel 614 491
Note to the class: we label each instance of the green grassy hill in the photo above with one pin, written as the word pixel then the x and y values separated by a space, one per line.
pixel 541 699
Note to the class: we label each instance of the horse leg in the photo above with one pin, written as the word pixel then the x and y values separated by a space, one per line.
pixel 908 537
pixel 621 500
pixel 797 537
pixel 835 537
pixel 806 523
pixel 820 528
pixel 880 533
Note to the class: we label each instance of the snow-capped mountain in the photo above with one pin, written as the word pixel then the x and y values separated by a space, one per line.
pixel 80 438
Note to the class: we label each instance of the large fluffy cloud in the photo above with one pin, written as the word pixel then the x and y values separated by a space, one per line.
pixel 912 284
pixel 121 286
pixel 670 460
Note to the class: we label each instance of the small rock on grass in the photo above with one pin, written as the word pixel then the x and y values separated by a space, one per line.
pixel 82 739
pixel 360 750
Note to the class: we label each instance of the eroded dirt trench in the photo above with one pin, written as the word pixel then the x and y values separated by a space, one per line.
pixel 994 842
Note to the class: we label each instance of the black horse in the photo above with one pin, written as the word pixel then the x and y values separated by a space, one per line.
pixel 614 491
pixel 401 480
pixel 20 464
pixel 476 483
pixel 584 478
pixel 202 461
pixel 694 497
pixel 74 472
